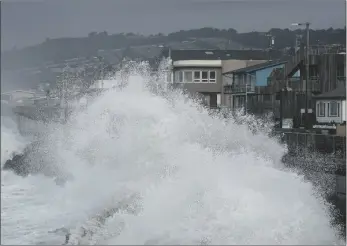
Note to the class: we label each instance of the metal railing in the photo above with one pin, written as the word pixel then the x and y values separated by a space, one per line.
pixel 321 143
pixel 325 49
pixel 239 89
pixel 295 84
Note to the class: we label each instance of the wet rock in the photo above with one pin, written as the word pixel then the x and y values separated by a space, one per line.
pixel 17 165
pixel 36 159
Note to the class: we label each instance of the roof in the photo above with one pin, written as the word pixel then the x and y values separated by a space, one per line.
pixel 177 55
pixel 338 93
pixel 257 67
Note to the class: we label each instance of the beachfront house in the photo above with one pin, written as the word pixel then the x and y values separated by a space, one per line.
pixel 331 106
pixel 248 89
pixel 200 71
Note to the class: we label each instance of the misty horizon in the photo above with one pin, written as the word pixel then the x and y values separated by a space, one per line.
pixel 30 23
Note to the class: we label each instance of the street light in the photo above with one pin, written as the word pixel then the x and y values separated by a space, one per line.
pixel 271 43
pixel 307 24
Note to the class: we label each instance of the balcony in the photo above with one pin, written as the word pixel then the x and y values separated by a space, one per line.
pixel 325 49
pixel 296 85
pixel 239 89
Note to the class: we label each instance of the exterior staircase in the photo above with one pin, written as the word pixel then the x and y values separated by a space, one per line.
pixel 293 65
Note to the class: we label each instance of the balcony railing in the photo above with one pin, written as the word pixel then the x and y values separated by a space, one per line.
pixel 296 85
pixel 239 89
pixel 341 78
pixel 325 49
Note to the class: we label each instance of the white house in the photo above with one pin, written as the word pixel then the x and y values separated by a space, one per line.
pixel 331 106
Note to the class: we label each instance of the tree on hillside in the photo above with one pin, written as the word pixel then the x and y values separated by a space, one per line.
pixel 66 48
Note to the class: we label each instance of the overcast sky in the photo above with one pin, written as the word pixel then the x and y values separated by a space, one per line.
pixel 30 22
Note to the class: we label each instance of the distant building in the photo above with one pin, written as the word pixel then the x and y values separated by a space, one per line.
pixel 13 96
pixel 331 106
pixel 200 71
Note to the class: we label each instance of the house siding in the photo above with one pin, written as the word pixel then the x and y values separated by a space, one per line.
pixel 231 65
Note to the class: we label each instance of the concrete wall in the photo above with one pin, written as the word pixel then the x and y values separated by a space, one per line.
pixel 341 130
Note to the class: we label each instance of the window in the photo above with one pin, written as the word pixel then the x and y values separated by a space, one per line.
pixel 334 108
pixel 242 79
pixel 241 102
pixel 212 76
pixel 188 76
pixel 180 76
pixel 197 76
pixel 204 76
pixel 341 70
pixel 236 80
pixel 176 76
pixel 207 100
pixel 313 72
pixel 321 109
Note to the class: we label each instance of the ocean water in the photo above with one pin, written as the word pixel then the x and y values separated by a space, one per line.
pixel 157 168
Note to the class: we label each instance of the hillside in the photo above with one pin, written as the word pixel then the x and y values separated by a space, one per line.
pixel 129 44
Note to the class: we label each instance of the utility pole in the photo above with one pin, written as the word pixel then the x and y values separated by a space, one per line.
pixel 307 70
